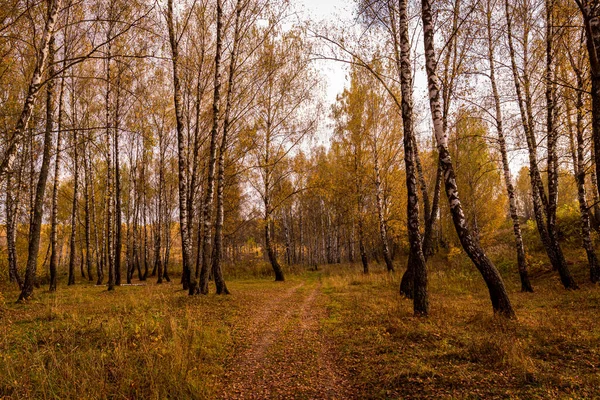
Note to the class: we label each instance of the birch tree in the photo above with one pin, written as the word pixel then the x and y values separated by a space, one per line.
pixel 35 85
pixel 186 245
pixel 498 119
pixel 46 55
pixel 590 12
pixel 420 297
pixel 283 118
pixel 543 205
pixel 221 288
pixel 498 295
pixel 577 141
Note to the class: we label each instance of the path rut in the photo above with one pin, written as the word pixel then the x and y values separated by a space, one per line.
pixel 282 354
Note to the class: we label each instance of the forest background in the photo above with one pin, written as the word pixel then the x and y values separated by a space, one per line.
pixel 195 142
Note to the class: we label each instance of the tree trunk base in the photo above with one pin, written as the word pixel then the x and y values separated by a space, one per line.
pixel 406 283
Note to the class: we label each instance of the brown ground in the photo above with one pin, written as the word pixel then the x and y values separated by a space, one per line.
pixel 336 333
pixel 281 353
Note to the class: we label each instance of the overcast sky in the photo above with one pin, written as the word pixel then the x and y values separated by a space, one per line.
pixel 330 11
pixel 334 73
pixel 336 11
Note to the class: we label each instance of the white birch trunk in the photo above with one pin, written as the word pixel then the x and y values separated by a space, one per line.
pixel 498 295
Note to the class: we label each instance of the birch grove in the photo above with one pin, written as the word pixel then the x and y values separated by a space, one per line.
pixel 193 140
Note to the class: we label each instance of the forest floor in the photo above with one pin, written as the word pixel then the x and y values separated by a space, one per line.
pixel 281 353
pixel 331 334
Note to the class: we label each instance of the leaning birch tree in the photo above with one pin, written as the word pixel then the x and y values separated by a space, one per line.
pixel 510 190
pixel 498 295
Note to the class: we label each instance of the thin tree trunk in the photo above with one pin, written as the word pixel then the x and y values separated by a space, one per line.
pixel 595 216
pixel 361 247
pixel 193 185
pixel 11 208
pixel 218 246
pixel 521 260
pixel 34 86
pixel 578 157
pixel 359 208
pixel 128 247
pixel 144 217
pixel 81 261
pixel 167 249
pixel 272 256
pixel 552 137
pixel 32 176
pixel 186 244
pixel 118 206
pixel 590 11
pixel 420 296
pixel 109 244
pixel 271 252
pixel 86 194
pixel 157 254
pixel 54 209
pixel 201 279
pixel 431 213
pixel 136 239
pixel 72 254
pixel 430 209
pixel 159 212
pixel 549 239
pixel 380 212
pixel 200 225
pixel 498 295
pixel 406 282
pixel 38 209
pixel 99 256
pixel 301 239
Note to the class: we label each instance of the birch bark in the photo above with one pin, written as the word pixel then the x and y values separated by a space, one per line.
pixel 74 209
pixel 46 53
pixel 186 244
pixel 108 201
pixel 54 207
pixel 578 156
pixel 380 210
pixel 420 296
pixel 221 287
pixel 521 260
pixel 201 278
pixel 34 87
pixel 498 295
pixel 590 11
pixel 541 202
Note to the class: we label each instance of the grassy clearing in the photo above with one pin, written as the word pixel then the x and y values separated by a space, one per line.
pixel 156 342
pixel 149 341
pixel 462 350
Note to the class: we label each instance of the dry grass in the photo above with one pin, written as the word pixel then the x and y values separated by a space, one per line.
pixel 462 350
pixel 156 342
pixel 137 342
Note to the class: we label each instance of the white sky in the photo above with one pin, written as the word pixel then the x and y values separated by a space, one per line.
pixel 331 12
pixel 334 73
